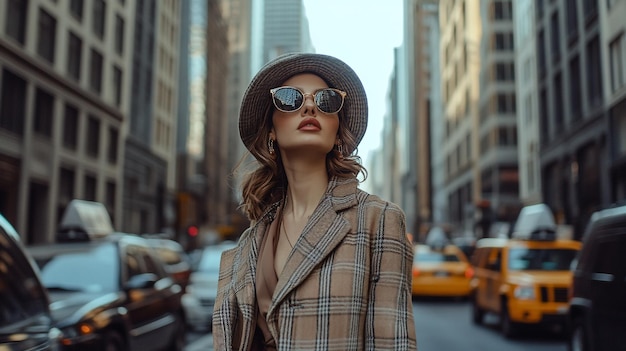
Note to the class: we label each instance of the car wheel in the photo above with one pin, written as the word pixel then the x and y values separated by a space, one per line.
pixel 578 337
pixel 478 313
pixel 508 327
pixel 113 341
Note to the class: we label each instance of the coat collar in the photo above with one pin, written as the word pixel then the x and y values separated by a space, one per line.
pixel 325 229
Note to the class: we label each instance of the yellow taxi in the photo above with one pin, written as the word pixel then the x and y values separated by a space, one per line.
pixel 441 271
pixel 525 279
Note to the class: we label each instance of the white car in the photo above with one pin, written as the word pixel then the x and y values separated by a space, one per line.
pixel 199 298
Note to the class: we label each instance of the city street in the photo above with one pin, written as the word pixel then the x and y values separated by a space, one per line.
pixel 445 325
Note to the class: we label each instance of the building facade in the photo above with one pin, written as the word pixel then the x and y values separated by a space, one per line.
pixel 65 72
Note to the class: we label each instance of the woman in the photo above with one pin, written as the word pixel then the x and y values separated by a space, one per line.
pixel 324 265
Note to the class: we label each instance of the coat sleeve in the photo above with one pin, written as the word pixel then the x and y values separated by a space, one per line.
pixel 389 322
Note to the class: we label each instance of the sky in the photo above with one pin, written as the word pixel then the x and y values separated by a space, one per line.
pixel 364 34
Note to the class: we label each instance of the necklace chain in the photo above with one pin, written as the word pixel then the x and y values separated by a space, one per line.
pixel 282 223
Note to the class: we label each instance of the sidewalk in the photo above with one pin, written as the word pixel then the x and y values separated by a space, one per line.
pixel 205 343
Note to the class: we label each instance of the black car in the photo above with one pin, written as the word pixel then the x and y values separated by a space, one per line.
pixel 111 293
pixel 597 313
pixel 177 262
pixel 25 319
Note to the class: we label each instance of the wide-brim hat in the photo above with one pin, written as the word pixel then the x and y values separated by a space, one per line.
pixel 336 73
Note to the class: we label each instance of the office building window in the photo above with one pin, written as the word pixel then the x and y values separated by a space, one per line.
pixel 541 53
pixel 93 136
pixel 16 19
pixel 99 11
pixel 555 37
pixel 575 87
pixel 119 34
pixel 76 9
pixel 594 72
pixel 572 19
pixel 44 112
pixel 117 85
pixel 559 111
pixel 95 76
pixel 113 140
pixel 90 187
pixel 47 36
pixel 110 198
pixel 70 127
pixel 12 102
pixel 618 62
pixel 74 56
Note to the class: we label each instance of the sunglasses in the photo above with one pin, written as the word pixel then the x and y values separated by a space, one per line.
pixel 290 99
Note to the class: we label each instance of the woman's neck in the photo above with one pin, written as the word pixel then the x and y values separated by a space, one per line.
pixel 307 185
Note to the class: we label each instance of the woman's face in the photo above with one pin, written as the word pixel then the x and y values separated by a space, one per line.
pixel 306 129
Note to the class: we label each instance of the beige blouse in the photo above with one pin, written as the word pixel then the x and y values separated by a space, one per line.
pixel 266 281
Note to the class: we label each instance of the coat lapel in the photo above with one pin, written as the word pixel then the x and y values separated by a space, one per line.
pixel 324 231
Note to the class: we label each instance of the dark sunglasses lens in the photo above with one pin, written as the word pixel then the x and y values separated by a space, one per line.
pixel 328 101
pixel 288 99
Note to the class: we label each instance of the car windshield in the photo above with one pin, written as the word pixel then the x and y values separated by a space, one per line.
pixel 522 259
pixel 92 270
pixel 436 257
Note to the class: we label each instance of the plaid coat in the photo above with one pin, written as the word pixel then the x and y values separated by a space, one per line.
pixel 346 284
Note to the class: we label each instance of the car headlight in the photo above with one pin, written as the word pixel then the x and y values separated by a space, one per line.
pixel 523 292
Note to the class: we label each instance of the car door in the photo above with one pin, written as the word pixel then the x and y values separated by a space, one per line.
pixel 153 321
pixel 608 289
pixel 493 279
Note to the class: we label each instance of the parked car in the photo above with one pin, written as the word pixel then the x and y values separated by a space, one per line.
pixel 108 291
pixel 25 318
pixel 597 312
pixel 199 299
pixel 441 271
pixel 526 279
pixel 177 262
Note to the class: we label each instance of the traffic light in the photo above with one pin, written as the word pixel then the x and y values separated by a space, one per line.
pixel 192 231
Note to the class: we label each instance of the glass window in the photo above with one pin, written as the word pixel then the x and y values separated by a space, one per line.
pixel 93 269
pixel 99 11
pixel 76 9
pixel 21 295
pixel 70 127
pixel 44 112
pixel 90 187
pixel 618 63
pixel 16 20
pixel 93 136
pixel 117 85
pixel 95 77
pixel 119 34
pixel 74 56
pixel 12 103
pixel 541 259
pixel 47 36
pixel 113 140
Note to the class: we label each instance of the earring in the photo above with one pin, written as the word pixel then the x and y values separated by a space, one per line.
pixel 270 147
pixel 339 149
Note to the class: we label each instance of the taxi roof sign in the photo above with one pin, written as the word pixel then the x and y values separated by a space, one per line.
pixel 84 220
pixel 535 222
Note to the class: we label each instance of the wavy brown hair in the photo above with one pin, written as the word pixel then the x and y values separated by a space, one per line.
pixel 267 183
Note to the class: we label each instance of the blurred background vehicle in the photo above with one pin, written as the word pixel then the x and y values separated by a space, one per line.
pixel 108 291
pixel 441 271
pixel 199 299
pixel 25 318
pixel 177 262
pixel 525 279
pixel 597 312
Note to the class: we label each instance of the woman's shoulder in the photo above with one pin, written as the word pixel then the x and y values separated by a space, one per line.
pixel 373 202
